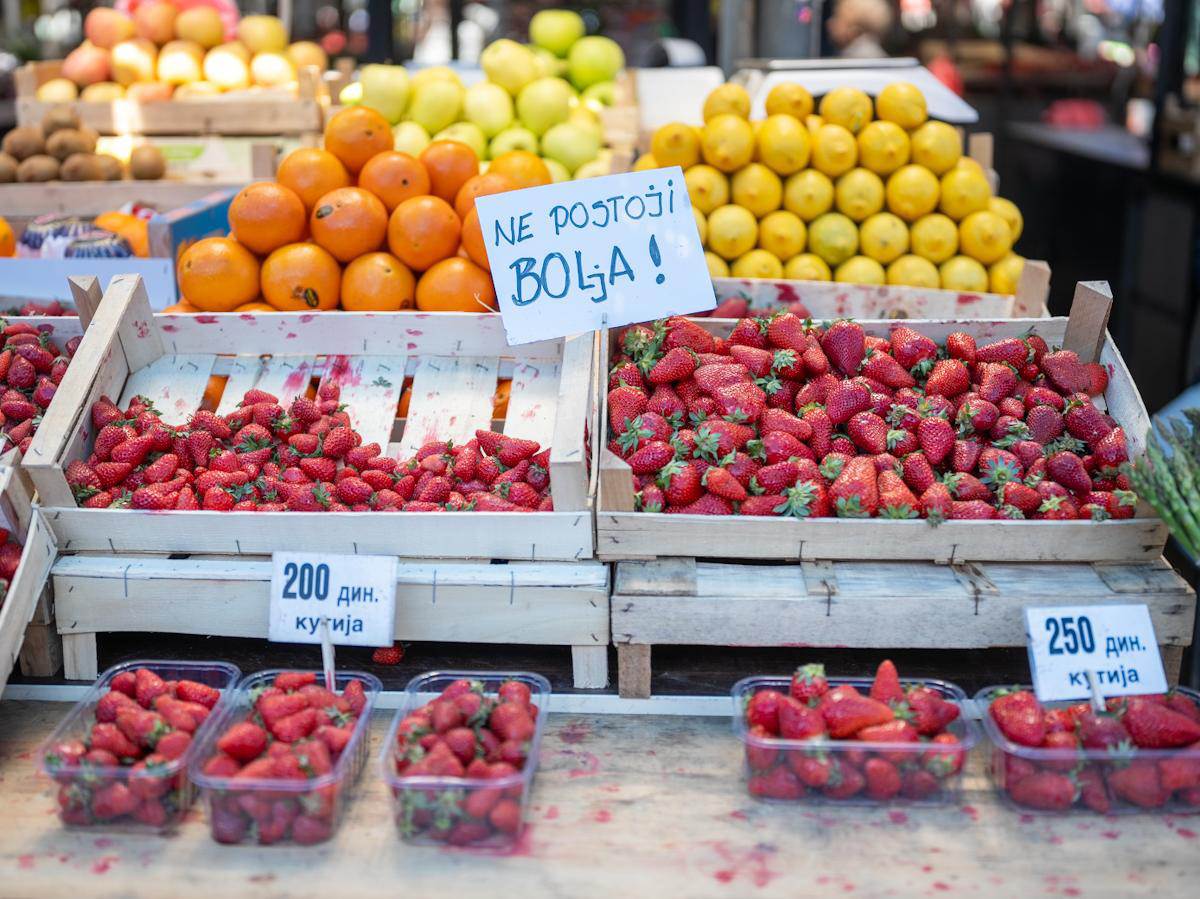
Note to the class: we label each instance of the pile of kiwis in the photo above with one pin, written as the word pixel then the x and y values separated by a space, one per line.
pixel 63 149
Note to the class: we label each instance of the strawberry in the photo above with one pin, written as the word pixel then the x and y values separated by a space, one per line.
pixel 798 721
pixel 1180 772
pixel 1019 716
pixel 651 457
pixel 147 686
pixel 1045 790
pixel 1010 351
pixel 677 364
pixel 845 400
pixel 680 483
pixel 1138 783
pixel 780 783
pixel 854 493
pixel 887 371
pixel 886 686
pixel 114 801
pixel 1154 726
pixel 624 405
pixel 1065 371
pixel 244 741
pixel 719 482
pixel 910 347
pixel 786 331
pixel 1097 379
pixel 929 713
pixel 1067 469
pixel 936 438
pixel 848 716
pixel 844 780
pixel 1045 423
pixel 844 342
pixel 762 710
pixel 869 432
pixel 948 378
pixel 141 726
pixel 882 779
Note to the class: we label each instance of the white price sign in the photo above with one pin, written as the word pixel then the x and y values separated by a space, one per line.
pixel 1115 643
pixel 357 594
pixel 600 252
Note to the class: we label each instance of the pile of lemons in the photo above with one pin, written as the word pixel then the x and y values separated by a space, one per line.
pixel 861 192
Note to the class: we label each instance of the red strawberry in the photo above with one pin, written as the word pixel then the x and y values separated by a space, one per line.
pixel 844 342
pixel 845 400
pixel 1065 371
pixel 1011 351
pixel 882 778
pixel 1154 726
pixel 1045 790
pixel 147 686
pixel 855 493
pixel 930 713
pixel 869 432
pixel 721 483
pixel 1045 423
pixel 936 437
pixel 1097 378
pixel 1019 716
pixel 780 783
pixel 844 780
pixel 887 371
pixel 886 686
pixel 808 683
pixel 798 721
pixel 677 364
pixel 848 716
pixel 948 378
pixel 910 347
pixel 244 741
pixel 787 332
pixel 960 345
pixel 1067 469
pixel 1138 783
pixel 762 710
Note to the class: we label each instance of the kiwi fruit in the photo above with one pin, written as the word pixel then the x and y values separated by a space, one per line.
pixel 146 163
pixel 82 167
pixel 38 167
pixel 110 167
pixel 58 119
pixel 67 142
pixel 23 142
pixel 91 136
pixel 8 168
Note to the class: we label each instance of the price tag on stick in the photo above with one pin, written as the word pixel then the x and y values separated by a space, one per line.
pixel 1089 652
pixel 566 258
pixel 354 595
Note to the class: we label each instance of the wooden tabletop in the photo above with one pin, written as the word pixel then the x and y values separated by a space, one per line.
pixel 623 806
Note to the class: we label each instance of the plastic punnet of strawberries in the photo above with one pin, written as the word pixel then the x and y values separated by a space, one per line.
pixel 818 741
pixel 307 458
pixel 31 368
pixel 280 773
pixel 128 769
pixel 457 764
pixel 788 418
pixel 1141 752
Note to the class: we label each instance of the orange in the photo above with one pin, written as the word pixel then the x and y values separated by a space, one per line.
pixel 394 177
pixel 301 277
pixel 523 167
pixel 480 186
pixel 265 215
pixel 422 231
pixel 212 392
pixel 456 285
pixel 217 274
pixel 133 228
pixel 348 222
pixel 312 173
pixel 181 308
pixel 500 398
pixel 472 240
pixel 255 306
pixel 8 241
pixel 356 134
pixel 449 163
pixel 378 282
pixel 405 399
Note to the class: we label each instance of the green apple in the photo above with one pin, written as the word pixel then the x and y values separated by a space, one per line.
pixel 556 30
pixel 385 89
pixel 549 65
pixel 584 117
pixel 571 145
pixel 594 169
pixel 489 106
pixel 467 133
pixel 436 105
pixel 594 59
pixel 600 94
pixel 508 64
pixel 410 138
pixel 544 103
pixel 514 138
pixel 558 171
pixel 433 73
pixel 351 94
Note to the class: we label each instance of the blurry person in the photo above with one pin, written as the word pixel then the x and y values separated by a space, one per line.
pixel 858 27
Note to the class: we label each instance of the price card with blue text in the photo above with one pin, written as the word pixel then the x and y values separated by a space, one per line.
pixel 1115 643
pixel 357 594
pixel 581 255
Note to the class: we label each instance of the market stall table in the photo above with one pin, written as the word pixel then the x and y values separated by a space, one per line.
pixel 622 806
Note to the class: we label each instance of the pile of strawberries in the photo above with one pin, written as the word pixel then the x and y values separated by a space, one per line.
pixel 307 458
pixel 921 755
pixel 123 770
pixel 785 417
pixel 296 730
pixel 1094 759
pixel 465 735
pixel 31 368
pixel 10 560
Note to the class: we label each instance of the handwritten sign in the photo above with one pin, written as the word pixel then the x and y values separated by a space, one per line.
pixel 600 252
pixel 355 594
pixel 1115 643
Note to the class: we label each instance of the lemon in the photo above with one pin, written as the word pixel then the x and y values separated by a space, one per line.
pixel 984 236
pixel 883 147
pixel 644 162
pixel 813 123
pixel 858 194
pixel 936 146
pixel 833 237
pixel 860 270
pixel 903 103
pixel 913 271
pixel 934 237
pixel 1008 211
pixel 783 144
pixel 717 267
pixel 728 142
pixel 848 107
pixel 782 233
pixel 963 273
pixel 707 187
pixel 789 99
pixel 701 224
pixel 732 231
pixel 808 194
pixel 675 144
pixel 807 267
pixel 1004 275
pixel 757 264
pixel 912 191
pixel 963 191
pixel 757 188
pixel 728 99
pixel 834 151
pixel 883 237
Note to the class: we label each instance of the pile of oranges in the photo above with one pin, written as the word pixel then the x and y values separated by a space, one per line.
pixel 357 226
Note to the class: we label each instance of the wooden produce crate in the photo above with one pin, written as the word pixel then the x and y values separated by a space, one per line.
pixel 454 359
pixel 872 605
pixel 622 533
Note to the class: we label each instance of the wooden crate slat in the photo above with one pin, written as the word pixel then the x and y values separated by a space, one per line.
pixel 241 373
pixel 370 391
pixel 533 402
pixel 174 384
pixel 285 377
pixel 451 398
pixel 21 598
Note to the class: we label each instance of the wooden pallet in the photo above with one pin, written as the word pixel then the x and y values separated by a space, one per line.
pixel 871 605
pixel 622 533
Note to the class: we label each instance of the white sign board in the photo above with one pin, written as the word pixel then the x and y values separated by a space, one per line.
pixel 1115 643
pixel 602 252
pixel 357 594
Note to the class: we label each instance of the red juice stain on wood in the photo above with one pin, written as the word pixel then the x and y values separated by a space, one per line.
pixel 611 788
pixel 104 863
pixel 103 843
pixel 1071 891
pixel 926 869
pixel 943 887
pixel 575 732
pixel 590 765
pixel 752 864
pixel 603 816
pixel 1186 832
pixel 170 329
pixel 1109 834
pixel 296 381
pixel 786 293
pixel 247 317
pixel 305 319
pixel 971 812
pixel 897 817
pixel 206 319
pixel 522 848
pixel 25 862
pixel 551 813
pixel 739 815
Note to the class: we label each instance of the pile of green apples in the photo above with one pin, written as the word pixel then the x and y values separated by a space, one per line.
pixel 544 97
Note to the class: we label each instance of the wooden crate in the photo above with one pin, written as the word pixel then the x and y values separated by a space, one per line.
pixel 255 111
pixel 872 605
pixel 454 358
pixel 622 533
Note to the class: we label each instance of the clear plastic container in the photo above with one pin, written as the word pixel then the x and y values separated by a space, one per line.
pixel 930 774
pixel 437 810
pixel 271 810
pixel 89 794
pixel 1102 781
